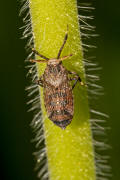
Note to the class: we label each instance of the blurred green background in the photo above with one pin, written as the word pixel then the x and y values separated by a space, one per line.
pixel 17 162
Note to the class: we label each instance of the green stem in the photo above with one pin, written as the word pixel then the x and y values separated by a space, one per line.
pixel 70 152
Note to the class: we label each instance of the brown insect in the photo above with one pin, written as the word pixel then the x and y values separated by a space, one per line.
pixel 58 96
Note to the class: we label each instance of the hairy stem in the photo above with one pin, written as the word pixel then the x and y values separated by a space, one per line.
pixel 70 152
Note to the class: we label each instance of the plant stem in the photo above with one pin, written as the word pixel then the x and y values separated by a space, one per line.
pixel 70 152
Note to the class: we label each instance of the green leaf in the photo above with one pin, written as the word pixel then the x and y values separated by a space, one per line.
pixel 70 152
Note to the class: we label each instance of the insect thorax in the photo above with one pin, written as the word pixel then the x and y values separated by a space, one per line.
pixel 55 75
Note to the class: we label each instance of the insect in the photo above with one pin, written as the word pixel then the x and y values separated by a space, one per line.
pixel 58 95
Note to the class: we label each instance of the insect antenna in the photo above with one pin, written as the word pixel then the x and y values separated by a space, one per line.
pixel 64 41
pixel 36 52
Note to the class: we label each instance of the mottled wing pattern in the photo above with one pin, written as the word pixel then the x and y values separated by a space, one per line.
pixel 59 104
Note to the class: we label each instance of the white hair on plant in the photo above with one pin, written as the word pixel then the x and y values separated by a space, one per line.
pixel 94 89
pixel 34 95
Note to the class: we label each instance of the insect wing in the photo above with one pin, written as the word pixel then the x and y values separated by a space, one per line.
pixel 59 104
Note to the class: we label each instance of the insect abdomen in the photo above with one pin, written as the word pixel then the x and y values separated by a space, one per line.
pixel 59 104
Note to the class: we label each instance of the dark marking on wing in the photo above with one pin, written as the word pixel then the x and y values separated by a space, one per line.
pixel 63 123
pixel 59 94
pixel 51 115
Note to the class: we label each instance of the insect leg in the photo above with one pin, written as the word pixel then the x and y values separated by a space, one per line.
pixel 39 60
pixel 40 81
pixel 65 57
pixel 65 39
pixel 76 78
pixel 37 53
pixel 71 72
